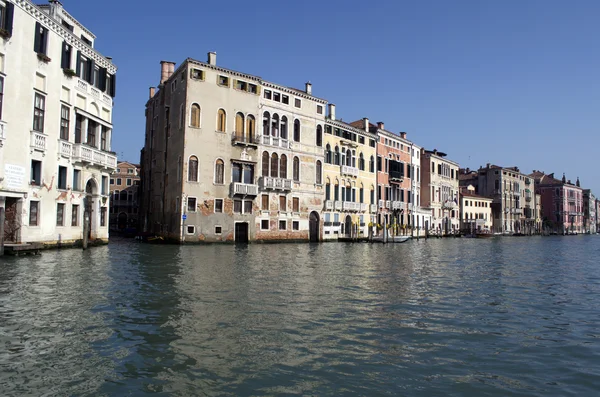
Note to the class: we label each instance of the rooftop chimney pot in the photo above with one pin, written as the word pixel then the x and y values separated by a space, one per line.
pixel 331 111
pixel 212 58
pixel 166 70
pixel 366 122
pixel 152 92
pixel 308 88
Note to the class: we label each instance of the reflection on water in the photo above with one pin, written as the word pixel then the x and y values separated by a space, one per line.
pixel 512 316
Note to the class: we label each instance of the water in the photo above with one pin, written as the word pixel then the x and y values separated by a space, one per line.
pixel 448 317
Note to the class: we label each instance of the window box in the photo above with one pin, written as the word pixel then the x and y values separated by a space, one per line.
pixel 43 57
pixel 5 34
pixel 69 72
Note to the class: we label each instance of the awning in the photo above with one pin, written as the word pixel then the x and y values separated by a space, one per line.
pixel 92 117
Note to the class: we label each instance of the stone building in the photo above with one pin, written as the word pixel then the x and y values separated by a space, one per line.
pixel 589 212
pixel 55 131
pixel 475 211
pixel 349 177
pixel 440 191
pixel 231 157
pixel 124 189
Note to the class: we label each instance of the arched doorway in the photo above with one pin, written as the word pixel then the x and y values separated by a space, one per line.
pixel 348 226
pixel 313 227
pixel 89 205
pixel 122 221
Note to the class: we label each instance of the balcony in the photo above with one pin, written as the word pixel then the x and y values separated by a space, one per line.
pixel 85 87
pixel 516 211
pixel 373 208
pixel 88 154
pixel 275 141
pixel 244 189
pixel 352 171
pixel 2 133
pixel 397 205
pixel 38 141
pixel 350 206
pixel 381 204
pixel 388 204
pixel 363 207
pixel 270 183
pixel 338 205
pixel 65 149
pixel 328 205
pixel 238 138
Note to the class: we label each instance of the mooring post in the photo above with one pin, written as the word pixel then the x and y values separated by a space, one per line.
pixel 1 231
pixel 86 227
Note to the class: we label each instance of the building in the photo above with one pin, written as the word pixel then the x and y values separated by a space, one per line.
pixel 440 191
pixel 597 215
pixel 421 218
pixel 513 208
pixel 349 176
pixel 211 173
pixel 562 203
pixel 124 205
pixel 55 131
pixel 590 220
pixel 475 211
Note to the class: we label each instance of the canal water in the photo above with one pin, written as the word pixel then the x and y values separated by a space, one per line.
pixel 443 317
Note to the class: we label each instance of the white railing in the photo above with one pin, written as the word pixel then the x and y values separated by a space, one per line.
pixel 381 204
pixel 352 171
pixel 65 148
pixel 93 156
pixel 350 206
pixel 373 208
pixel 338 205
pixel 363 206
pixel 275 141
pixel 82 85
pixel 388 204
pixel 95 92
pixel 397 205
pixel 38 141
pixel 268 182
pixel 328 205
pixel 244 188
pixel 107 99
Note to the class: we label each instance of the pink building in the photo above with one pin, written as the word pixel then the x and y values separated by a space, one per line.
pixel 562 203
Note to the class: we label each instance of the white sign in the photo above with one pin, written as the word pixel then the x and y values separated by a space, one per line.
pixel 14 176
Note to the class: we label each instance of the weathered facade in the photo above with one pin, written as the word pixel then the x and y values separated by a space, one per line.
pixel 124 189
pixel 55 131
pixel 475 211
pixel 589 212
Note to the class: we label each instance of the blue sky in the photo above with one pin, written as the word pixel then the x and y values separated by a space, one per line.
pixel 512 82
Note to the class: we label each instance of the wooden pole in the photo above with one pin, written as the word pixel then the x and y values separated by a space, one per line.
pixel 2 231
pixel 86 227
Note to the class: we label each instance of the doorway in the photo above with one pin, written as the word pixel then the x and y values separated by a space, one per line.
pixel 313 227
pixel 12 226
pixel 241 233
pixel 348 226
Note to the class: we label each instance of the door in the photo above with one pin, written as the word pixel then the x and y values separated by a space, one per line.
pixel 241 233
pixel 313 227
pixel 348 226
pixel 12 225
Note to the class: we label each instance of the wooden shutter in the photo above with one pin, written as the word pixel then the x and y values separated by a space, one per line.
pixel 78 66
pixel 90 71
pixel 65 60
pixel 113 85
pixel 37 41
pixel 102 80
pixel 8 22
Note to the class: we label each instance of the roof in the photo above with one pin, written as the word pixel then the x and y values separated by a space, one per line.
pixel 473 195
pixel 361 124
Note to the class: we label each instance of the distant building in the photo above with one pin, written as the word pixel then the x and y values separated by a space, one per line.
pixel 124 189
pixel 475 211
pixel 590 215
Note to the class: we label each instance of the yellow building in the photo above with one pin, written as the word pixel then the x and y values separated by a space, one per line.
pixel 349 177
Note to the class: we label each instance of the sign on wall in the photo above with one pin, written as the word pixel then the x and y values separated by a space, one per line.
pixel 14 176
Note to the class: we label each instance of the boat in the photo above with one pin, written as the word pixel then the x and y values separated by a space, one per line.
pixel 391 239
pixel 484 234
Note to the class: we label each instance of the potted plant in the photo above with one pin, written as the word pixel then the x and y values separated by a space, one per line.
pixel 69 72
pixel 43 57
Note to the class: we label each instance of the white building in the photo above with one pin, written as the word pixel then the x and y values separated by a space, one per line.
pixel 55 131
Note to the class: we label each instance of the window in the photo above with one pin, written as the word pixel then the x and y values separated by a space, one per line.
pixel 247 206
pixel 267 94
pixel 128 181
pixel 195 116
pixel 223 81
pixel 371 164
pixel 62 177
pixel 241 85
pixel 264 224
pixel 104 184
pixel 285 99
pixel 361 162
pixel 103 216
pixel 112 181
pixel 76 178
pixel 264 202
pixel 252 88
pixel 250 125
pixel 319 109
pixel 283 167
pixel 1 94
pixel 282 203
pixel 296 170
pixel 191 204
pixel 318 172
pixel 86 40
pixel 219 172
pixel 319 135
pixel 277 97
pixel 274 165
pixel 74 215
pixel 218 205
pixel 34 207
pixel 297 103
pixel 197 74
pixel 265 164
pixel 119 181
pixel 296 204
pixel 221 120
pixel 239 125
pixel 91 133
pixel 190 229
pixel 130 170
pixel 193 169
pixel 297 130
pixel 36 172
pixel 328 156
pixel 103 136
pixel 295 225
pixel 40 43
pixel 6 17
pixel 282 225
pixel 39 107
pixel 218 229
pixel 60 214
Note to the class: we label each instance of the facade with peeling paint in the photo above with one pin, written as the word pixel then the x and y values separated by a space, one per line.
pixel 55 132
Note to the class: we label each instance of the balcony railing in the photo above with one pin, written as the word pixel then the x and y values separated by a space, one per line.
pixel 65 148
pixel 84 86
pixel 350 206
pixel 352 171
pixel 397 205
pixel 267 182
pixel 328 205
pixel 38 141
pixel 381 203
pixel 245 189
pixel 93 156
pixel 516 211
pixel 388 204
pixel 275 141
pixel 238 138
pixel 338 205
pixel 373 208
pixel 2 133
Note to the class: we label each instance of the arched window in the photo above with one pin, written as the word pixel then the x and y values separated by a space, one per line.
pixel 336 156
pixel 266 124
pixel 343 157
pixel 319 167
pixel 221 118
pixel 195 116
pixel 123 195
pixel 250 126
pixel 275 125
pixel 274 165
pixel 193 169
pixel 296 170
pixel 372 164
pixel 219 172
pixel 116 195
pixel 265 164
pixel 328 154
pixel 319 136
pixel 361 162
pixel 239 124
pixel 349 158
pixel 297 130
pixel 283 166
pixel 284 127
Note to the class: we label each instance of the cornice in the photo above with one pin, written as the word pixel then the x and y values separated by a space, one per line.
pixel 348 127
pixel 51 23
pixel 219 69
pixel 293 91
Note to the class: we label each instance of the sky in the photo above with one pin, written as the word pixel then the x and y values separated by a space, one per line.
pixel 512 82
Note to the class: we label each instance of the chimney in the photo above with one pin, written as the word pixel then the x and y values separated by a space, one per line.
pixel 55 5
pixel 366 121
pixel 166 70
pixel 487 165
pixel 308 88
pixel 331 111
pixel 212 58
pixel 564 179
pixel 152 91
pixel 109 59
pixel 578 184
pixel 380 125
pixel 403 135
